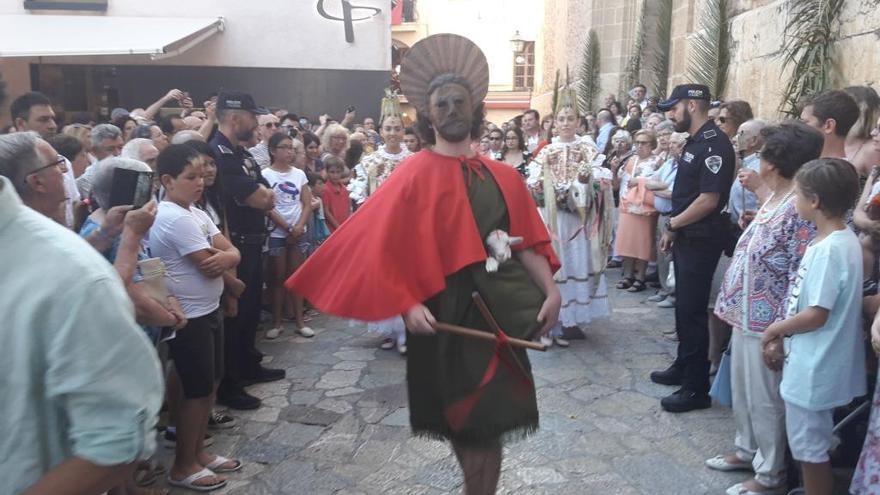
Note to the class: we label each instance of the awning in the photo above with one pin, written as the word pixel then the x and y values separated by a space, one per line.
pixel 71 35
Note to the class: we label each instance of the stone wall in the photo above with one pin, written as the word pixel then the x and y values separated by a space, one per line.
pixel 756 27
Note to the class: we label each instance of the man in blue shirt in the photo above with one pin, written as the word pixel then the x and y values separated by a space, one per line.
pixel 606 122
pixel 82 383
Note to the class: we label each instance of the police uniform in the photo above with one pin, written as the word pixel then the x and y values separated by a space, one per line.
pixel 706 165
pixel 240 177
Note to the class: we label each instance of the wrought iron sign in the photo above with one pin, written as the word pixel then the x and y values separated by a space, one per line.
pixel 347 16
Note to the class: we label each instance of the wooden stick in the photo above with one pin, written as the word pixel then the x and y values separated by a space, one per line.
pixel 478 334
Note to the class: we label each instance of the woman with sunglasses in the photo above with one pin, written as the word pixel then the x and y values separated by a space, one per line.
pixel 635 231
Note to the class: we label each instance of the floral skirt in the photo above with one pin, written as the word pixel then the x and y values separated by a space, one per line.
pixel 866 479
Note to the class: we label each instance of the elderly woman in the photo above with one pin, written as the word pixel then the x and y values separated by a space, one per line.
pixel 663 130
pixel 635 231
pixel 335 140
pixel 731 115
pixel 661 184
pixel 754 295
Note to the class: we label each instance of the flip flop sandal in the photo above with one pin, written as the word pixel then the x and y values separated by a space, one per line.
pixel 625 283
pixel 739 489
pixel 189 482
pixel 217 465
pixel 637 286
pixel 718 463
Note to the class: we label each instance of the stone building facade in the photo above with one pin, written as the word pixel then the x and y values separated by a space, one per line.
pixel 756 31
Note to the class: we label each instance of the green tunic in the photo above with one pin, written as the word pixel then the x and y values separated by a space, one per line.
pixel 443 368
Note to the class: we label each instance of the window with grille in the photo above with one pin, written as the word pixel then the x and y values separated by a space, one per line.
pixel 524 68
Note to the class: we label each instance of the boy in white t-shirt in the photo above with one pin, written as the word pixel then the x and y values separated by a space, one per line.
pixel 824 349
pixel 195 255
pixel 288 243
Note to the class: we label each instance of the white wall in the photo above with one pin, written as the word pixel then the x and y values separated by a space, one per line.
pixel 259 33
pixel 490 24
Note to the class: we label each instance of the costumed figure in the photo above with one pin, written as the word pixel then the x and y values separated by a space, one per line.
pixel 371 172
pixel 422 250
pixel 574 195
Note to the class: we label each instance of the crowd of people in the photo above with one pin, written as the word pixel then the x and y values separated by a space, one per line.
pixel 763 236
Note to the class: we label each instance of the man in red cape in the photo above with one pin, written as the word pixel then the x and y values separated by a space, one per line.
pixel 416 248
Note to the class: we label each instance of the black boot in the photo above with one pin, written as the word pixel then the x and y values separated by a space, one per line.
pixel 669 376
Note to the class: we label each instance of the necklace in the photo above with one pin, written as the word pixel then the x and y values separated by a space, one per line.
pixel 764 215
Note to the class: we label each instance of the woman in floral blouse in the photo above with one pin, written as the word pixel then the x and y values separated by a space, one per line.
pixel 753 295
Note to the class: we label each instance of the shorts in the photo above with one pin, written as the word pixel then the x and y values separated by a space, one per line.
pixel 197 352
pixel 810 433
pixel 277 245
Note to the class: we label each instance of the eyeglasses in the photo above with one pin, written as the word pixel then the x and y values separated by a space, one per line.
pixel 61 163
pixel 270 125
pixel 722 120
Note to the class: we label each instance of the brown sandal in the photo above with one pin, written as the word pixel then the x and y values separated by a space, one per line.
pixel 626 283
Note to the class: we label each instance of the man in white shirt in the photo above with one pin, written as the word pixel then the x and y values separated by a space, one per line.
pixel 268 126
pixel 531 127
pixel 639 93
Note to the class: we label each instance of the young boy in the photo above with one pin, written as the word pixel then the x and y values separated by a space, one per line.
pixel 824 352
pixel 337 203
pixel 196 255
pixel 317 230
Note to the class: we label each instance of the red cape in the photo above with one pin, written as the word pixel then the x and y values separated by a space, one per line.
pixel 418 228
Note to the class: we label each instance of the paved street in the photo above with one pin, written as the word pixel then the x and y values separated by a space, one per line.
pixel 339 423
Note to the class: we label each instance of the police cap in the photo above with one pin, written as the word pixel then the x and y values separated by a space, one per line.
pixel 238 100
pixel 684 92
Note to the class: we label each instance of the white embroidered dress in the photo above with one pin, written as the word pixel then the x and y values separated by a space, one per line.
pixel 372 171
pixel 562 168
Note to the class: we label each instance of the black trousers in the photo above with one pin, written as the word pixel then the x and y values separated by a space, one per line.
pixel 695 262
pixel 241 356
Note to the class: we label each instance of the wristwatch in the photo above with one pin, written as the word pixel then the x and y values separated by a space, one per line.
pixel 669 225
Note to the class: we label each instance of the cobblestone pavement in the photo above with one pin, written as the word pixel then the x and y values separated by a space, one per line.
pixel 339 422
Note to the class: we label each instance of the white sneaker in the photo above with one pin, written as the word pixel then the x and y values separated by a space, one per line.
pixel 273 333
pixel 561 342
pixel 401 348
pixel 547 341
pixel 306 332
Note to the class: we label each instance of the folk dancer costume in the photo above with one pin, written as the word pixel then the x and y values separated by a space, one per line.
pixel 372 171
pixel 574 194
pixel 432 252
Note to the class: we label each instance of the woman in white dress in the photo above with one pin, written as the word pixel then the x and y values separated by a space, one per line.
pixel 371 172
pixel 574 197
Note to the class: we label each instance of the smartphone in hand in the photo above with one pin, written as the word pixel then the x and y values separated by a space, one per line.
pixel 130 187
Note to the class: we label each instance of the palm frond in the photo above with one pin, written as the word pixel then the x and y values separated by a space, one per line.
pixel 660 69
pixel 631 74
pixel 808 49
pixel 710 48
pixel 555 92
pixel 588 87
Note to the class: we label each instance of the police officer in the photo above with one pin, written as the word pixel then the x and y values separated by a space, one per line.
pixel 246 198
pixel 697 234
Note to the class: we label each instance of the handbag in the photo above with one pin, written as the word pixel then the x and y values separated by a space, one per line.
pixel 638 200
pixel 721 390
